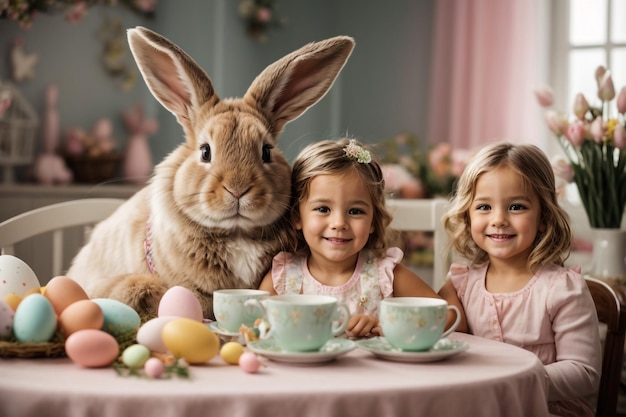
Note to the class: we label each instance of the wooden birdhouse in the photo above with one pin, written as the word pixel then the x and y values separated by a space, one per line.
pixel 18 126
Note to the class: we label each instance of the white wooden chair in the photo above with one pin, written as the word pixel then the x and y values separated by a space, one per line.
pixel 425 215
pixel 68 223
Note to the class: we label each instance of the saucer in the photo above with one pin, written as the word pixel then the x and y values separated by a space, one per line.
pixel 330 351
pixel 213 326
pixel 443 349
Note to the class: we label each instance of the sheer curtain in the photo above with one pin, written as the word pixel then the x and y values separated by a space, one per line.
pixel 488 56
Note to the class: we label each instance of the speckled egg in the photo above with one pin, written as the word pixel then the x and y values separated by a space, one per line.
pixel 6 320
pixel 16 277
pixel 119 318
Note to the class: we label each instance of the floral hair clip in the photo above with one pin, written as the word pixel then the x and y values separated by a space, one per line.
pixel 356 152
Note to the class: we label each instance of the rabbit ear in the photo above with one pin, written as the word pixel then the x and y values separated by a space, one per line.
pixel 172 76
pixel 289 86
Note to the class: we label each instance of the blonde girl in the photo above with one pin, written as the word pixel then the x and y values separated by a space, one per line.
pixel 338 210
pixel 506 223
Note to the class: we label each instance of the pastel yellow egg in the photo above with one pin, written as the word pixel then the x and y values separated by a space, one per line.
pixel 13 300
pixel 191 340
pixel 230 352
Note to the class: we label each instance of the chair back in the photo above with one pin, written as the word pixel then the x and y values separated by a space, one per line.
pixel 609 301
pixel 424 215
pixel 65 226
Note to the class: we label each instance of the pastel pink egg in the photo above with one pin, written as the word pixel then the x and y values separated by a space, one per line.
pixel 154 367
pixel 180 302
pixel 92 348
pixel 249 362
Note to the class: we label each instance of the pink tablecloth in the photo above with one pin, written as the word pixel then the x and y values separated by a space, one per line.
pixel 488 379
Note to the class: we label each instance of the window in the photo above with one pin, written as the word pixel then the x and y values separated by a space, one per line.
pixel 586 34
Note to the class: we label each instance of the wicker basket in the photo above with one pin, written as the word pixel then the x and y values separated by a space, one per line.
pixel 93 170
pixel 53 349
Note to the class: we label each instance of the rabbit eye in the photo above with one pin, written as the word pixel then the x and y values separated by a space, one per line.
pixel 266 153
pixel 205 152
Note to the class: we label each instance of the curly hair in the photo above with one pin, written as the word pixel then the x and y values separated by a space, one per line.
pixel 532 165
pixel 329 157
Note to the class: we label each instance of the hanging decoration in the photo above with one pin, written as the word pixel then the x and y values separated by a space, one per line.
pixel 24 11
pixel 115 57
pixel 260 16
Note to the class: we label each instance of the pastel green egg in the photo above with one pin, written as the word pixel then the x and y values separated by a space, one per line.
pixel 119 318
pixel 135 356
pixel 34 320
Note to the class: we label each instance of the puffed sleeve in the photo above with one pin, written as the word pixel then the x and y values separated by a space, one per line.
pixel 576 371
pixel 386 265
pixel 279 272
pixel 458 275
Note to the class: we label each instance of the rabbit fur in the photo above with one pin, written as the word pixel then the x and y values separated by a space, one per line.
pixel 214 212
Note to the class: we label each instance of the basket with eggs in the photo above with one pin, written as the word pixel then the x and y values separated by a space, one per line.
pixel 59 319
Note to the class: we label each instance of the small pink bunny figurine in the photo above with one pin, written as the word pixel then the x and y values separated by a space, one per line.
pixel 138 159
pixel 49 167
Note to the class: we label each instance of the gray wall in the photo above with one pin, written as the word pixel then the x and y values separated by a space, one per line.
pixel 382 90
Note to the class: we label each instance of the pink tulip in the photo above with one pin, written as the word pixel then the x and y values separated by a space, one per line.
pixel 556 122
pixel 619 136
pixel 575 133
pixel 581 106
pixel 621 101
pixel 544 96
pixel 600 73
pixel 563 169
pixel 606 89
pixel 597 129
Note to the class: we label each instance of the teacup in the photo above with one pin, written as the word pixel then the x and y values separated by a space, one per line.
pixel 415 323
pixel 230 311
pixel 301 322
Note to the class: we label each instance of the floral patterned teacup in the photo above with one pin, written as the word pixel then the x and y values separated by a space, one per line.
pixel 230 312
pixel 302 323
pixel 415 323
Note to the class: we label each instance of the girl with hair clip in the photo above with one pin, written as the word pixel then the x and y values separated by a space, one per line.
pixel 338 209
pixel 506 222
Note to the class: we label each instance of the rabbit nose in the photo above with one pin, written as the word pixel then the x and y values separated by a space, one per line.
pixel 236 192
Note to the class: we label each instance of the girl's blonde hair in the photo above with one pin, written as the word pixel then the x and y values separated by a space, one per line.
pixel 328 157
pixel 532 165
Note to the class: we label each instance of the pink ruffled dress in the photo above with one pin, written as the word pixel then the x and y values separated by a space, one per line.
pixel 371 281
pixel 553 316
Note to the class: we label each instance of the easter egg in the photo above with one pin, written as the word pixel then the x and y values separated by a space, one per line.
pixel 249 362
pixel 119 318
pixel 12 300
pixel 81 315
pixel 34 320
pixel 6 320
pixel 230 352
pixel 191 340
pixel 180 302
pixel 135 356
pixel 154 367
pixel 149 334
pixel 16 277
pixel 63 291
pixel 92 348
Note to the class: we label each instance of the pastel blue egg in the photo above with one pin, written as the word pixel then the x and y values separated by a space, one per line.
pixel 119 318
pixel 34 320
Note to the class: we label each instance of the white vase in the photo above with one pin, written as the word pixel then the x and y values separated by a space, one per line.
pixel 609 254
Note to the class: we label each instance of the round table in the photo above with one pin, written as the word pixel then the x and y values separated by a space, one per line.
pixel 488 379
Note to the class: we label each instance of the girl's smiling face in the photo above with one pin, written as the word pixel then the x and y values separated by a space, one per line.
pixel 336 217
pixel 505 216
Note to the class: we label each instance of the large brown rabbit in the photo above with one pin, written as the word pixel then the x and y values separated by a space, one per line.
pixel 214 212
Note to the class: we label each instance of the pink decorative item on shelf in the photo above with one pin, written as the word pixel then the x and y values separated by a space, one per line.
pixel 138 162
pixel 49 167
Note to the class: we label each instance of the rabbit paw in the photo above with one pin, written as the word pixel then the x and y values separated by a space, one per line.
pixel 142 292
